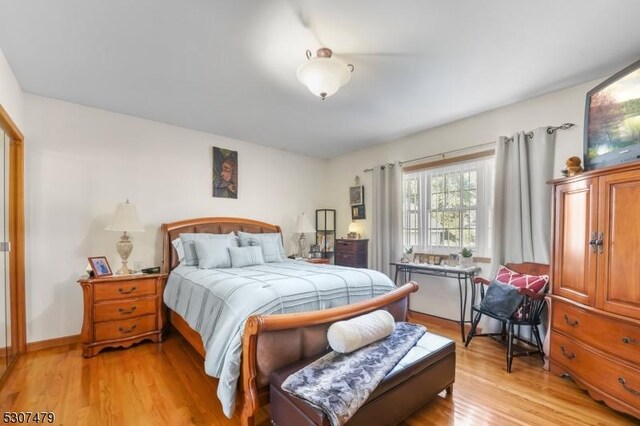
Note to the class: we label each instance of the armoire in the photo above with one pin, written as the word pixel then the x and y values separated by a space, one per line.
pixel 12 297
pixel 595 296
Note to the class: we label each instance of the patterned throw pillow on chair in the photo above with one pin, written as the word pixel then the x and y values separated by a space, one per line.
pixel 535 283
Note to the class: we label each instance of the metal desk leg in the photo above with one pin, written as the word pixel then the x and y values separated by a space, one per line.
pixel 462 307
pixel 395 280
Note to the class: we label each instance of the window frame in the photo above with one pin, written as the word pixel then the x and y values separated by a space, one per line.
pixel 484 165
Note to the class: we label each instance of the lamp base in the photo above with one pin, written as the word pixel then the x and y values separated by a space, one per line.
pixel 302 244
pixel 124 248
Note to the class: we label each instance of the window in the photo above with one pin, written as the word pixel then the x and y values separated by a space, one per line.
pixel 449 207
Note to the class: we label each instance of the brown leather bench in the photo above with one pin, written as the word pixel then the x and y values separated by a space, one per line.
pixel 427 370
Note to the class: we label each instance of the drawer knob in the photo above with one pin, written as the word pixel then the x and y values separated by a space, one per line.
pixel 627 388
pixel 567 354
pixel 130 311
pixel 127 330
pixel 631 340
pixel 129 291
pixel 571 323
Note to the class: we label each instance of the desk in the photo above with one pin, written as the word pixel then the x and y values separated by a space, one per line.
pixel 463 275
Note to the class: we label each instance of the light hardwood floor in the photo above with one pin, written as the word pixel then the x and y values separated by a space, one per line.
pixel 158 384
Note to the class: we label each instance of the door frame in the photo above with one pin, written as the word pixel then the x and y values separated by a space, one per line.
pixel 16 231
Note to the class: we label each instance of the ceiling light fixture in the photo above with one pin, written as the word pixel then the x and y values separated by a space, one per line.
pixel 324 74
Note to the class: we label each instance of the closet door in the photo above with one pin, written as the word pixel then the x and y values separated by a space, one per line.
pixel 5 296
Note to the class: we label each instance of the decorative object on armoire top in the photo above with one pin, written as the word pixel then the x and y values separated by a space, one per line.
pixel 572 167
pixel 125 220
pixel 324 74
pixel 304 227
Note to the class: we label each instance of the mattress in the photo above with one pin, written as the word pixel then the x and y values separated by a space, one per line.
pixel 217 302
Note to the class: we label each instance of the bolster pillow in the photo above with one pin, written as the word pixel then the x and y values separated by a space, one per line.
pixel 347 336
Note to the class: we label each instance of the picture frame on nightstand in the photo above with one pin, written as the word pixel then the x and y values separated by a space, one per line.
pixel 100 266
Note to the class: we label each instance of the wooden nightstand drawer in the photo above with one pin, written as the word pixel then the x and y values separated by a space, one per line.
pixel 124 289
pixel 108 311
pixel 112 330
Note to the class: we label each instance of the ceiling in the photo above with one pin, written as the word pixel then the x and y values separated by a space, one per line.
pixel 229 67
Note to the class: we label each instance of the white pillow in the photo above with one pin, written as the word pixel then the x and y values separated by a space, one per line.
pixel 213 252
pixel 347 336
pixel 190 254
pixel 246 256
pixel 177 244
pixel 271 245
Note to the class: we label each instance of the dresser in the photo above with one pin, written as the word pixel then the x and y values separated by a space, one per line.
pixel 354 253
pixel 121 310
pixel 595 296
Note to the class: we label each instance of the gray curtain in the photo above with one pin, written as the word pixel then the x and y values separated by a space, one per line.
pixel 522 205
pixel 386 215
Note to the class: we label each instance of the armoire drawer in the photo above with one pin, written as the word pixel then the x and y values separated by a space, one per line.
pixel 603 373
pixel 609 335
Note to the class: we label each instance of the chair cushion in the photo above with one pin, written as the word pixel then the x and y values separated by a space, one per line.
pixel 535 283
pixel 501 299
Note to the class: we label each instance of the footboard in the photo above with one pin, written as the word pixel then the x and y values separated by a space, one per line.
pixel 273 341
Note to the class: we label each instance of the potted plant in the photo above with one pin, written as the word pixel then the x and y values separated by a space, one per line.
pixel 466 257
pixel 408 255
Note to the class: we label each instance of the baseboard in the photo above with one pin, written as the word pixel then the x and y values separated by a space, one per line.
pixel 439 321
pixel 52 343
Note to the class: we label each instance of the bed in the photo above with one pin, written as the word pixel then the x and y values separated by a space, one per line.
pixel 249 323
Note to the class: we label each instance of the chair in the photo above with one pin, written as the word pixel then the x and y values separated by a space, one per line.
pixel 528 314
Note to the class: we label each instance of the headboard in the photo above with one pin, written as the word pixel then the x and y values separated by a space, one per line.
pixel 209 225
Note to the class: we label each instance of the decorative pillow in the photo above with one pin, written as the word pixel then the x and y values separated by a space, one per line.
pixel 177 244
pixel 213 252
pixel 535 283
pixel 190 254
pixel 246 256
pixel 271 245
pixel 501 299
pixel 347 336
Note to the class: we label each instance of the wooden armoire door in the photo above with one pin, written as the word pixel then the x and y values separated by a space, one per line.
pixel 619 258
pixel 574 258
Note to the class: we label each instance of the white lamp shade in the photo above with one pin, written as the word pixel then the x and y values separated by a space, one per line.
pixel 324 76
pixel 353 227
pixel 304 226
pixel 125 219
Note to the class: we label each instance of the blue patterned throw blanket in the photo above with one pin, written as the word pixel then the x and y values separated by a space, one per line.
pixel 339 384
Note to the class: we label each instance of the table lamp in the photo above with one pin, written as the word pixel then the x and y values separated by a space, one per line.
pixel 353 231
pixel 304 226
pixel 125 220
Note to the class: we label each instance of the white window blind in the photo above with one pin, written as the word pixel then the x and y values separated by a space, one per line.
pixel 449 207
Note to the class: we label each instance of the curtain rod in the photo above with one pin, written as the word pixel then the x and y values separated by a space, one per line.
pixel 550 130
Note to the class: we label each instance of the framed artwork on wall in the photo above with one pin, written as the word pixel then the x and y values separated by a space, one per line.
pixel 225 173
pixel 356 195
pixel 358 212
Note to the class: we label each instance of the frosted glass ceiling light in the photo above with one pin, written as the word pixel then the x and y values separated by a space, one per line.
pixel 324 74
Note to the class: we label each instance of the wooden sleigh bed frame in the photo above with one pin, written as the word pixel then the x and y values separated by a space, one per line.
pixel 271 341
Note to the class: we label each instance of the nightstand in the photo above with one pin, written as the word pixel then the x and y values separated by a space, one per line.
pixel 121 311
pixel 320 261
pixel 352 253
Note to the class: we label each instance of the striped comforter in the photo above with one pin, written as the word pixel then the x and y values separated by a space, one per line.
pixel 217 302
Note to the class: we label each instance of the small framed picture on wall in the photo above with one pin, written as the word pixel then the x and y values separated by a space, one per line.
pixel 356 195
pixel 357 212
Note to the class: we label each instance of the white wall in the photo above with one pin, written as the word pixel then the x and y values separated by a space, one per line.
pixel 80 162
pixel 11 97
pixel 440 296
